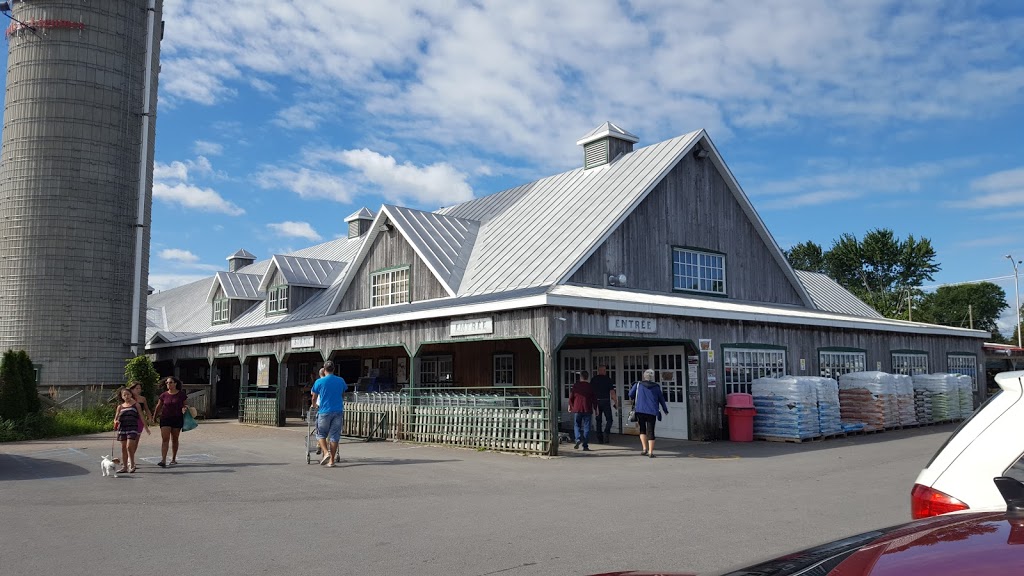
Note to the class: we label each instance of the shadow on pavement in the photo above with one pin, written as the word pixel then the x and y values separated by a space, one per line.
pixel 15 467
pixel 387 462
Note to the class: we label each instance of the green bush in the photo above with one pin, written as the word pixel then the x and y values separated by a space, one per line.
pixel 141 368
pixel 12 393
pixel 27 373
pixel 60 423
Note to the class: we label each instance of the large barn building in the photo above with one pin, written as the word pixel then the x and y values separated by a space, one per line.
pixel 481 315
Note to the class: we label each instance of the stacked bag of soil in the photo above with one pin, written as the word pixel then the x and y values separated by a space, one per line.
pixel 829 416
pixel 787 407
pixel 966 386
pixel 938 395
pixel 869 398
pixel 906 407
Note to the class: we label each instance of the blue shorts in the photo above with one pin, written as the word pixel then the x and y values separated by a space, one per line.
pixel 328 425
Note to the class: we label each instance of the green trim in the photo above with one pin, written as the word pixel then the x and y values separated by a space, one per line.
pixel 721 360
pixel 495 357
pixel 692 249
pixel 975 354
pixel 273 290
pixel 902 351
pixel 401 345
pixel 390 268
pixel 227 304
pixel 840 349
pixel 754 346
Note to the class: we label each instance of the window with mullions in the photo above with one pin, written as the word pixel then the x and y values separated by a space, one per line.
pixel 389 287
pixel 833 363
pixel 221 310
pixel 744 365
pixel 435 371
pixel 698 271
pixel 964 364
pixel 909 363
pixel 503 371
pixel 277 299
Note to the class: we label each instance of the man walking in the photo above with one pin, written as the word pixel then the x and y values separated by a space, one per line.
pixel 328 392
pixel 582 404
pixel 604 390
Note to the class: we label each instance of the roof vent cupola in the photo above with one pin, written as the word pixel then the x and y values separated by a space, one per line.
pixel 604 144
pixel 359 223
pixel 240 259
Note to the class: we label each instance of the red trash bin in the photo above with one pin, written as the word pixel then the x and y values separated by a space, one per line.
pixel 739 408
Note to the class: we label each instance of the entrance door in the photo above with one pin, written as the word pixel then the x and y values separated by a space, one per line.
pixel 633 365
pixel 610 360
pixel 573 361
pixel 669 365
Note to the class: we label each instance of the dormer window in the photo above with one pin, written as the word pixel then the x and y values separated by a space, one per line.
pixel 221 310
pixel 389 287
pixel 698 271
pixel 277 299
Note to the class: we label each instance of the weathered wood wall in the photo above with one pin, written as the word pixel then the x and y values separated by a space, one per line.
pixel 389 250
pixel 691 207
pixel 473 362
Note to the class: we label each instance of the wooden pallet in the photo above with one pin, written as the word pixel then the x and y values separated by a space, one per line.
pixel 831 436
pixel 784 439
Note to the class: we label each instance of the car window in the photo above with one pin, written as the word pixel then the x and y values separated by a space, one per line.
pixel 1017 470
pixel 961 427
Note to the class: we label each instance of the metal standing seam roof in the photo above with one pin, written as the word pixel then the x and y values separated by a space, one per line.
pixel 607 129
pixel 828 295
pixel 361 214
pixel 237 286
pixel 444 243
pixel 298 271
pixel 554 222
pixel 242 253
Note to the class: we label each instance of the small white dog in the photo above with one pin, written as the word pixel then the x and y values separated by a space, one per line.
pixel 109 466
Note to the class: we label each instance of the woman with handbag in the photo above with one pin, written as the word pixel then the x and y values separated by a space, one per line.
pixel 170 410
pixel 647 399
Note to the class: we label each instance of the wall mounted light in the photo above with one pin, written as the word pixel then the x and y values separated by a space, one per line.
pixel 385 227
pixel 616 279
pixel 700 153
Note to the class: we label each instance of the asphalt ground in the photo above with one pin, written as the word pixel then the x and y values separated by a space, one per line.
pixel 244 501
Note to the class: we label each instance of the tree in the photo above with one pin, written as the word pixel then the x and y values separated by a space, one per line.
pixel 954 305
pixel 807 256
pixel 27 375
pixel 882 270
pixel 12 393
pixel 141 368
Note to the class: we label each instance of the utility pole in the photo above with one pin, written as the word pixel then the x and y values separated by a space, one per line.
pixel 970 315
pixel 1016 294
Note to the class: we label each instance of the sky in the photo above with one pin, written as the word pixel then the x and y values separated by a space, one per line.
pixel 277 120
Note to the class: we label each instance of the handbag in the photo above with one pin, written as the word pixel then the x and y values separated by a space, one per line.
pixel 190 422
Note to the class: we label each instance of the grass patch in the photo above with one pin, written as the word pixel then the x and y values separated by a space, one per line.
pixel 59 423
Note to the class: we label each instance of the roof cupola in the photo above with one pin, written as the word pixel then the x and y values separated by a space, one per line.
pixel 604 144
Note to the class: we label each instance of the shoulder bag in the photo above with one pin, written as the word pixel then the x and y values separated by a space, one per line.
pixel 632 411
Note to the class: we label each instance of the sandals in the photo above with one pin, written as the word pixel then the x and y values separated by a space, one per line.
pixel 132 470
pixel 644 453
pixel 325 460
pixel 122 471
pixel 162 464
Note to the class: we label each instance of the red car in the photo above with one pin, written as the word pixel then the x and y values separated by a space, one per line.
pixel 975 544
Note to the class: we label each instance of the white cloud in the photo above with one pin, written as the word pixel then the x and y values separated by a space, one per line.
pixel 290 229
pixel 1003 189
pixel 171 184
pixel 206 148
pixel 178 255
pixel 436 184
pixel 307 183
pixel 811 199
pixel 530 77
pixel 303 116
pixel 161 281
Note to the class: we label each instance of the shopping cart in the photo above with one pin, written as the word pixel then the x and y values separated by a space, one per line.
pixel 312 445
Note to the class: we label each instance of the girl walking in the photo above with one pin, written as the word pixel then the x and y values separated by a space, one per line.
pixel 129 423
pixel 170 409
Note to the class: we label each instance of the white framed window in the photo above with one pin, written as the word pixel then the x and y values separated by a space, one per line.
pixel 696 271
pixel 436 371
pixel 909 363
pixel 277 299
pixel 833 363
pixel 504 374
pixel 744 365
pixel 389 287
pixel 964 364
pixel 221 310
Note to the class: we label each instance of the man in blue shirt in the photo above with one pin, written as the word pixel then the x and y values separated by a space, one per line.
pixel 328 393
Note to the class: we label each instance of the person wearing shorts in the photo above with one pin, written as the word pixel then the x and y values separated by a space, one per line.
pixel 129 424
pixel 170 410
pixel 329 393
pixel 647 399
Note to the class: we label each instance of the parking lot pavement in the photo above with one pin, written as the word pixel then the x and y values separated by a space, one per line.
pixel 242 500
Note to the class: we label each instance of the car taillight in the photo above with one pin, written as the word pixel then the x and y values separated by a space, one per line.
pixel 926 502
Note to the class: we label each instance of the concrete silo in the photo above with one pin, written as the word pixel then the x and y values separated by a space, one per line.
pixel 76 184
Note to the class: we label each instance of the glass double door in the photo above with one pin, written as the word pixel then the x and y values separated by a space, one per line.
pixel 625 367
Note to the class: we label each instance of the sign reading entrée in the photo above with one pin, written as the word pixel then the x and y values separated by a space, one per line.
pixel 226 348
pixel 471 327
pixel 632 324
pixel 303 341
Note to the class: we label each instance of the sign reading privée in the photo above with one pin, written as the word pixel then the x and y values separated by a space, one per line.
pixel 471 327
pixel 303 341
pixel 632 324
pixel 226 348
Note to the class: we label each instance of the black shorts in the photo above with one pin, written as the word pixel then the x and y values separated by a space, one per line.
pixel 178 422
pixel 646 423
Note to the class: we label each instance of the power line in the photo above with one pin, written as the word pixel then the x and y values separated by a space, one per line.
pixel 1007 277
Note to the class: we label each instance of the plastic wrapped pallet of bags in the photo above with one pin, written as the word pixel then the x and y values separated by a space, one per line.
pixel 787 407
pixel 953 382
pixel 922 400
pixel 827 392
pixel 906 406
pixel 935 389
pixel 867 397
pixel 966 395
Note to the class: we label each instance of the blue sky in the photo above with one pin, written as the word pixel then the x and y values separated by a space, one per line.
pixel 278 120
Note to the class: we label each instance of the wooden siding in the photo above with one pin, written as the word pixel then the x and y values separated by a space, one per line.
pixel 299 295
pixel 473 363
pixel 239 307
pixel 275 278
pixel 390 250
pixel 617 147
pixel 691 207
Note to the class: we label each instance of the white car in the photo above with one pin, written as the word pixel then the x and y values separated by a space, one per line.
pixel 988 444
